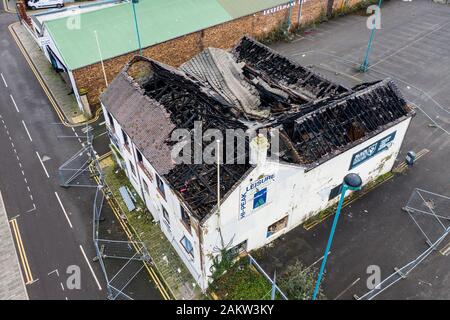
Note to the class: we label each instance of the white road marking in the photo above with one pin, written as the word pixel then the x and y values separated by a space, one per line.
pixel 54 271
pixel 26 129
pixel 102 134
pixel 346 289
pixel 63 209
pixel 42 163
pixel 14 102
pixel 4 81
pixel 90 268
pixel 62 286
pixel 32 209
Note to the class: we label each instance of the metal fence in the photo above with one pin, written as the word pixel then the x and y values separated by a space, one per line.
pixel 431 214
pixel 275 289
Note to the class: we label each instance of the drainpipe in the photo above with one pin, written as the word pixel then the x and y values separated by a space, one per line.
pixel 299 14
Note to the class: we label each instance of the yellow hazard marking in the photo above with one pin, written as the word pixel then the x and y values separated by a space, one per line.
pixel 23 256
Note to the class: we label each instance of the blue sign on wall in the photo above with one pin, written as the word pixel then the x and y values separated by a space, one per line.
pixel 254 195
pixel 370 151
pixel 260 198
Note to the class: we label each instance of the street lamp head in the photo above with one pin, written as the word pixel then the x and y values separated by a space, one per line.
pixel 353 181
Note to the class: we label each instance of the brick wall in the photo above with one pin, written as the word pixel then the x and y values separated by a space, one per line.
pixel 175 52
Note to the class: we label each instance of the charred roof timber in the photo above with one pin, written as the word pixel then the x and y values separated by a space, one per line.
pixel 251 86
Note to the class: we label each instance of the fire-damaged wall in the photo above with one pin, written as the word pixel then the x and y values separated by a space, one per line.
pixel 175 52
pixel 290 194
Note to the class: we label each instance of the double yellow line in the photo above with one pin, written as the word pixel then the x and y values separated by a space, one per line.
pixel 129 233
pixel 22 253
pixel 402 166
pixel 47 92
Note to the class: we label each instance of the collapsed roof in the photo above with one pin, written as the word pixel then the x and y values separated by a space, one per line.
pixel 250 87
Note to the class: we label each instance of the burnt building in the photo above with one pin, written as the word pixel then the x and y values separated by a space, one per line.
pixel 303 134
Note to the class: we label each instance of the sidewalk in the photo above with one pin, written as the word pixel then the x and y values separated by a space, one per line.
pixel 10 6
pixel 12 286
pixel 61 92
pixel 170 267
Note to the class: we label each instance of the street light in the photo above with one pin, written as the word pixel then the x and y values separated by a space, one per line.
pixel 352 182
pixel 133 2
pixel 365 65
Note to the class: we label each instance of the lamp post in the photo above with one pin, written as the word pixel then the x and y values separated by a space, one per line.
pixel 133 2
pixel 365 65
pixel 353 182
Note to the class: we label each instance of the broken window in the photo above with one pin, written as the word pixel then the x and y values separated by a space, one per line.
pixel 187 245
pixel 125 140
pixel 185 217
pixel 133 170
pixel 111 120
pixel 146 189
pixel 277 227
pixel 139 156
pixel 238 249
pixel 335 192
pixel 160 186
pixel 166 215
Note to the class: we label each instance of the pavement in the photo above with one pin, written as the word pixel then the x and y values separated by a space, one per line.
pixel 11 282
pixel 412 48
pixel 9 6
pixel 58 88
pixel 54 224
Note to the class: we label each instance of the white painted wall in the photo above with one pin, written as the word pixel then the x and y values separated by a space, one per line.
pixel 293 193
pixel 155 201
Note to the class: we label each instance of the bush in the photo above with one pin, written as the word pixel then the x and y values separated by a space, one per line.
pixel 298 282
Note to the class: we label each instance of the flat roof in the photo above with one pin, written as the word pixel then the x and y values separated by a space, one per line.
pixel 158 21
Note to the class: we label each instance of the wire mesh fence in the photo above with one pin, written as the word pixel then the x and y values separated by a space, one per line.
pixel 430 212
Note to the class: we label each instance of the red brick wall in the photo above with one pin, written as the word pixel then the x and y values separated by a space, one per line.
pixel 175 52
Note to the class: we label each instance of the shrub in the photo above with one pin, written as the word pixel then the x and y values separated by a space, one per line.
pixel 298 282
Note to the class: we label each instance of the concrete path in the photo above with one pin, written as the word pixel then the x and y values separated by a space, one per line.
pixel 12 286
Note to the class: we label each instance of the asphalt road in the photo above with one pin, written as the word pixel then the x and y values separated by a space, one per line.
pixel 55 224
pixel 413 49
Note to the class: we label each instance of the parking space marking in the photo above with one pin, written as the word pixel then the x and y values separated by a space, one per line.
pixel 4 81
pixel 445 251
